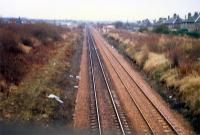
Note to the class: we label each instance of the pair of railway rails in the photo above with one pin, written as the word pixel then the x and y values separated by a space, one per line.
pixel 120 119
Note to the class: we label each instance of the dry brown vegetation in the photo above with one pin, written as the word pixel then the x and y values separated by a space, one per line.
pixel 170 59
pixel 23 45
pixel 34 62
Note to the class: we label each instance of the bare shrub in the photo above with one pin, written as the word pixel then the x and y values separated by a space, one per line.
pixel 188 67
pixel 13 63
pixel 13 67
pixel 8 41
pixel 194 53
pixel 44 31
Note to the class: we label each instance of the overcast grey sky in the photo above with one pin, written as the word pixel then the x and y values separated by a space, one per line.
pixel 97 9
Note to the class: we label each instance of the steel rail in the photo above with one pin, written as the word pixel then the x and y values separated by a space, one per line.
pixel 94 87
pixel 108 88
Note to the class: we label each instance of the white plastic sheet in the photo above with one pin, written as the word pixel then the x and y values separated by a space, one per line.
pixel 52 96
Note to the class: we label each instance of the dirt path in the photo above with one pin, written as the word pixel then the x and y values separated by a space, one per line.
pixel 81 116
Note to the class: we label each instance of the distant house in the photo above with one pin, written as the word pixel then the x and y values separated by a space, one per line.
pixel 160 21
pixel 108 27
pixel 174 22
pixel 197 24
pixel 192 23
pixel 145 24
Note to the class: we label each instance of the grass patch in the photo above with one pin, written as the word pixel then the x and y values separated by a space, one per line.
pixel 171 77
pixel 190 91
pixel 156 61
pixel 141 56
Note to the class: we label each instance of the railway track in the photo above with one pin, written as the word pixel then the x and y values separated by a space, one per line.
pixel 154 111
pixel 94 106
pixel 117 112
